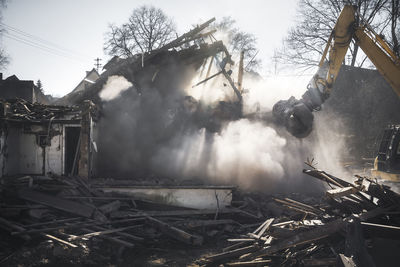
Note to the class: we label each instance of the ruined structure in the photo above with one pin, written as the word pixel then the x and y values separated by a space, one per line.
pixel 40 139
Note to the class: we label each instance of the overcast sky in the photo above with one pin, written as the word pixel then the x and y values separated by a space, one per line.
pixel 78 28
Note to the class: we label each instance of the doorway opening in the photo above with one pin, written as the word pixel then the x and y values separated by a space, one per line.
pixel 72 143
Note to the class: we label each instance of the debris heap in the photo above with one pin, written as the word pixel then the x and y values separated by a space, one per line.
pixel 256 229
pixel 331 233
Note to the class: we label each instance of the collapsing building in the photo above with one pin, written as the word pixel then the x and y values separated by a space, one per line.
pixel 144 105
pixel 82 133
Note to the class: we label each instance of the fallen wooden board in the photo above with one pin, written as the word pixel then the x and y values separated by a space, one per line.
pixel 381 230
pixel 60 240
pixel 315 233
pixel 110 207
pixel 57 203
pixel 341 192
pixel 176 233
pixel 106 232
pixel 232 254
pixel 249 263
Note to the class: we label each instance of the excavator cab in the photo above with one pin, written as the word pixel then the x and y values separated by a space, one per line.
pixel 387 162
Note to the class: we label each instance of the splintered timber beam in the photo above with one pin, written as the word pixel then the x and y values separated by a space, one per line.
pixel 315 234
pixel 176 233
pixel 237 92
pixel 341 192
pixel 206 79
pixel 232 254
pixel 264 227
pixel 304 237
pixel 113 239
pixel 184 36
pixel 121 234
pixel 106 231
pixel 321 175
pixel 249 263
pixel 298 206
pixel 60 240
pixel 324 177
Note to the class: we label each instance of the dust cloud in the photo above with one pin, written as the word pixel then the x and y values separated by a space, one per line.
pixel 113 88
pixel 159 135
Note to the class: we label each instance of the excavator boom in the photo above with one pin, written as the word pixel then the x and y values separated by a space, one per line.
pixel 296 114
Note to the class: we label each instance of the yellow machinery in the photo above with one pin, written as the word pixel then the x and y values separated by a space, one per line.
pixel 297 115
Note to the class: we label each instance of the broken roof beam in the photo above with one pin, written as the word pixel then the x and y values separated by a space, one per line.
pixel 184 36
pixel 201 35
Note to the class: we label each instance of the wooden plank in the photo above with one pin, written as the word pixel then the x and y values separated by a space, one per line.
pixel 381 230
pixel 75 225
pixel 249 263
pixel 176 233
pixel 122 234
pixel 113 239
pixel 106 232
pixel 265 227
pixel 110 207
pixel 57 203
pixel 303 238
pixel 9 226
pixel 298 207
pixel 232 254
pixel 300 204
pixel 238 245
pixel 60 240
pixel 347 261
pixel 341 192
pixel 240 240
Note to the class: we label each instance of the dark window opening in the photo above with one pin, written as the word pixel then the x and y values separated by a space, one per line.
pixel 71 150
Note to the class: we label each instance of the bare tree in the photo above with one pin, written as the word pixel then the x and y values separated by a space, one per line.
pixel 4 59
pixel 240 41
pixel 148 28
pixel 305 43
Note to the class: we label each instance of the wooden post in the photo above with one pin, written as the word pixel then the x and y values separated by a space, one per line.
pixel 84 162
pixel 240 74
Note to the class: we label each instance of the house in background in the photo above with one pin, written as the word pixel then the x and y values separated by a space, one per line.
pixel 90 78
pixel 12 88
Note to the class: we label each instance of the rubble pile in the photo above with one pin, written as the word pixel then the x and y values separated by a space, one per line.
pixel 256 230
pixel 340 231
pixel 76 216
pixel 21 110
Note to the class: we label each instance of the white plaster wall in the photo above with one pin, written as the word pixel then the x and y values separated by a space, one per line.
pixel 54 154
pixel 30 155
pixel 24 156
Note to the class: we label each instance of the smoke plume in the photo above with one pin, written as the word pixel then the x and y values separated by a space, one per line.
pixel 113 88
pixel 168 131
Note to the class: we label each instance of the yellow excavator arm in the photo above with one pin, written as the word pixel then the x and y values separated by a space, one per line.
pixel 296 114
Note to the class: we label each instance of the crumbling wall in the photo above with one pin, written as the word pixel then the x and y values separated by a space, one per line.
pixel 366 104
pixel 21 152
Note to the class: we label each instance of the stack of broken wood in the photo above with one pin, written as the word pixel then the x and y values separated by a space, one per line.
pixel 20 109
pixel 72 213
pixel 331 233
pixel 257 230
